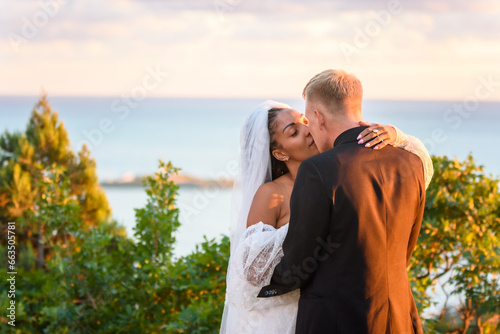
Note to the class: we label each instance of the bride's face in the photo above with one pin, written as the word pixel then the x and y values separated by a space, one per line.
pixel 292 135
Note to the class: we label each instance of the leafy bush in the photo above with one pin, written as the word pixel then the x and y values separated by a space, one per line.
pixel 458 250
pixel 98 281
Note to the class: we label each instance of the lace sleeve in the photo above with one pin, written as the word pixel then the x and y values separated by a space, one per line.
pixel 415 146
pixel 259 251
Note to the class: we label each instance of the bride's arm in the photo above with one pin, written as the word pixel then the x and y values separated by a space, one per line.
pixel 415 146
pixel 260 247
pixel 259 252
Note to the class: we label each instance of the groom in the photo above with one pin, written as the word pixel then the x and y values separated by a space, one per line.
pixel 355 219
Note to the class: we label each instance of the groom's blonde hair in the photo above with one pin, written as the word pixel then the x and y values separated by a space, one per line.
pixel 333 88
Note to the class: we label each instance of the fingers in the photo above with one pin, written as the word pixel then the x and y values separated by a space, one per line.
pixel 367 131
pixel 382 144
pixel 370 133
pixel 365 138
pixel 377 141
pixel 363 134
pixel 376 135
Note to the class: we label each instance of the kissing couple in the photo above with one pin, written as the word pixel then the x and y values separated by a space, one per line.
pixel 327 212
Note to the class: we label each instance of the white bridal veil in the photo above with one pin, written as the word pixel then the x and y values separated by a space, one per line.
pixel 255 167
pixel 255 170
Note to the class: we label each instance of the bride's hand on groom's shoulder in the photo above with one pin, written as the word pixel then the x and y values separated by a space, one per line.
pixel 376 135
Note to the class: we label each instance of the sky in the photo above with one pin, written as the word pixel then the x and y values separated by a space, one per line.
pixel 400 49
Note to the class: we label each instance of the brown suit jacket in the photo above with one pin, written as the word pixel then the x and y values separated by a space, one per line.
pixel 355 219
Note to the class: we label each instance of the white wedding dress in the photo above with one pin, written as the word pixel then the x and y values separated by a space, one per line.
pixel 256 250
pixel 253 261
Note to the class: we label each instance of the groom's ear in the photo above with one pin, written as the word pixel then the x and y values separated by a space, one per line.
pixel 321 118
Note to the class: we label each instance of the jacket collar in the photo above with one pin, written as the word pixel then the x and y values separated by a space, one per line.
pixel 349 136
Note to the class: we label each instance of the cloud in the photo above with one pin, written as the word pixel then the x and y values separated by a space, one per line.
pixel 254 48
pixel 278 7
pixel 157 20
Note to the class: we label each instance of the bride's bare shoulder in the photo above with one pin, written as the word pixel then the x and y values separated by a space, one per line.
pixel 266 204
pixel 269 188
pixel 273 191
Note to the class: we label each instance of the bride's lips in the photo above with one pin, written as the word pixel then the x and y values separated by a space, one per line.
pixel 312 143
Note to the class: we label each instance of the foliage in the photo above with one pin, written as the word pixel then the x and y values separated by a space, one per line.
pixel 157 238
pixel 99 281
pixel 93 278
pixel 26 159
pixel 198 283
pixel 459 245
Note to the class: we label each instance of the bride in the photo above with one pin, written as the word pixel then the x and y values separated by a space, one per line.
pixel 275 139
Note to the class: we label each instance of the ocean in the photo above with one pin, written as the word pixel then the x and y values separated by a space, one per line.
pixel 201 136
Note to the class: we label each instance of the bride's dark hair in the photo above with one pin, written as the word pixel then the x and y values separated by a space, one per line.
pixel 278 167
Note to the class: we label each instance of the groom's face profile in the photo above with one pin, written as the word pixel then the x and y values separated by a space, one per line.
pixel 312 112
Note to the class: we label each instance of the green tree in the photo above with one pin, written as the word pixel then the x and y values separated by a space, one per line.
pixel 157 238
pixel 25 159
pixel 458 250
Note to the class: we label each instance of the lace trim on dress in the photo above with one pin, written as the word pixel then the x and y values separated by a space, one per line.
pixel 258 253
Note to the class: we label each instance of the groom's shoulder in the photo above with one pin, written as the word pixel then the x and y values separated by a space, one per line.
pixel 323 160
pixel 343 158
pixel 329 156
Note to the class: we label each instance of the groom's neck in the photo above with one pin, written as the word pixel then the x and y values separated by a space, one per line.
pixel 346 115
pixel 340 126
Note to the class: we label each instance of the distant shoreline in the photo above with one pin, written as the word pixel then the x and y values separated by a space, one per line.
pixel 180 180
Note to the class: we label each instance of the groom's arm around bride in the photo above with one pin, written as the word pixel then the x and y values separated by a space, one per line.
pixel 355 219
